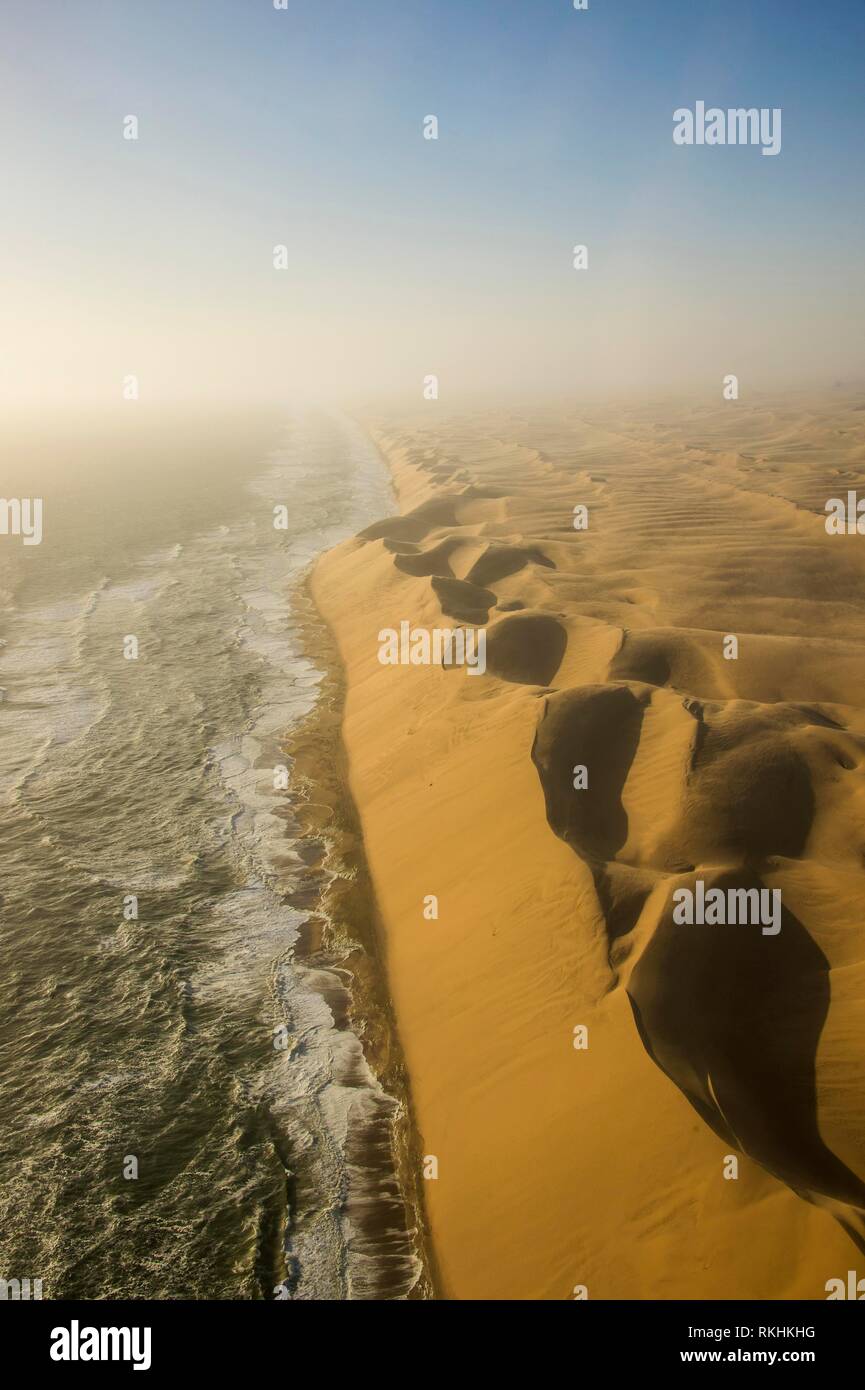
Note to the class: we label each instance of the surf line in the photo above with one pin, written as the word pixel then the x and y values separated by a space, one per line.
pixel 442 646
pixel 737 906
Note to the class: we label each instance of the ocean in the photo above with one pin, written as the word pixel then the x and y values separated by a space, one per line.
pixel 184 1112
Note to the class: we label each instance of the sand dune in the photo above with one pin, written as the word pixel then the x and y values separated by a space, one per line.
pixel 617 752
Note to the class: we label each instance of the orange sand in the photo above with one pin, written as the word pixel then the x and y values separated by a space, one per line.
pixel 602 1167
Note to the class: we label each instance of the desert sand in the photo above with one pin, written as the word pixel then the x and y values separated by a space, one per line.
pixel 561 1167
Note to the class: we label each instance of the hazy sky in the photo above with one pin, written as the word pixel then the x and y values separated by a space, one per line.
pixel 409 256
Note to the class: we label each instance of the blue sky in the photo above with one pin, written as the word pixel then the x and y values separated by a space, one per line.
pixel 303 127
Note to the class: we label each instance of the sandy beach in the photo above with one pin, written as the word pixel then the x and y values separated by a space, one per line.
pixel 671 701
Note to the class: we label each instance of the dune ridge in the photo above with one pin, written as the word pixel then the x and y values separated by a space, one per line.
pixel 561 1167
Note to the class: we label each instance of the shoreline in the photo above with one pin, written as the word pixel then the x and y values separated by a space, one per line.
pixel 327 814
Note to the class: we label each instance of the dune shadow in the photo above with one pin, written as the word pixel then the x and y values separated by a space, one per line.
pixel 747 800
pixel 596 727
pixel 734 1018
pixel 467 603
pixel 641 658
pixel 500 561
pixel 526 648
